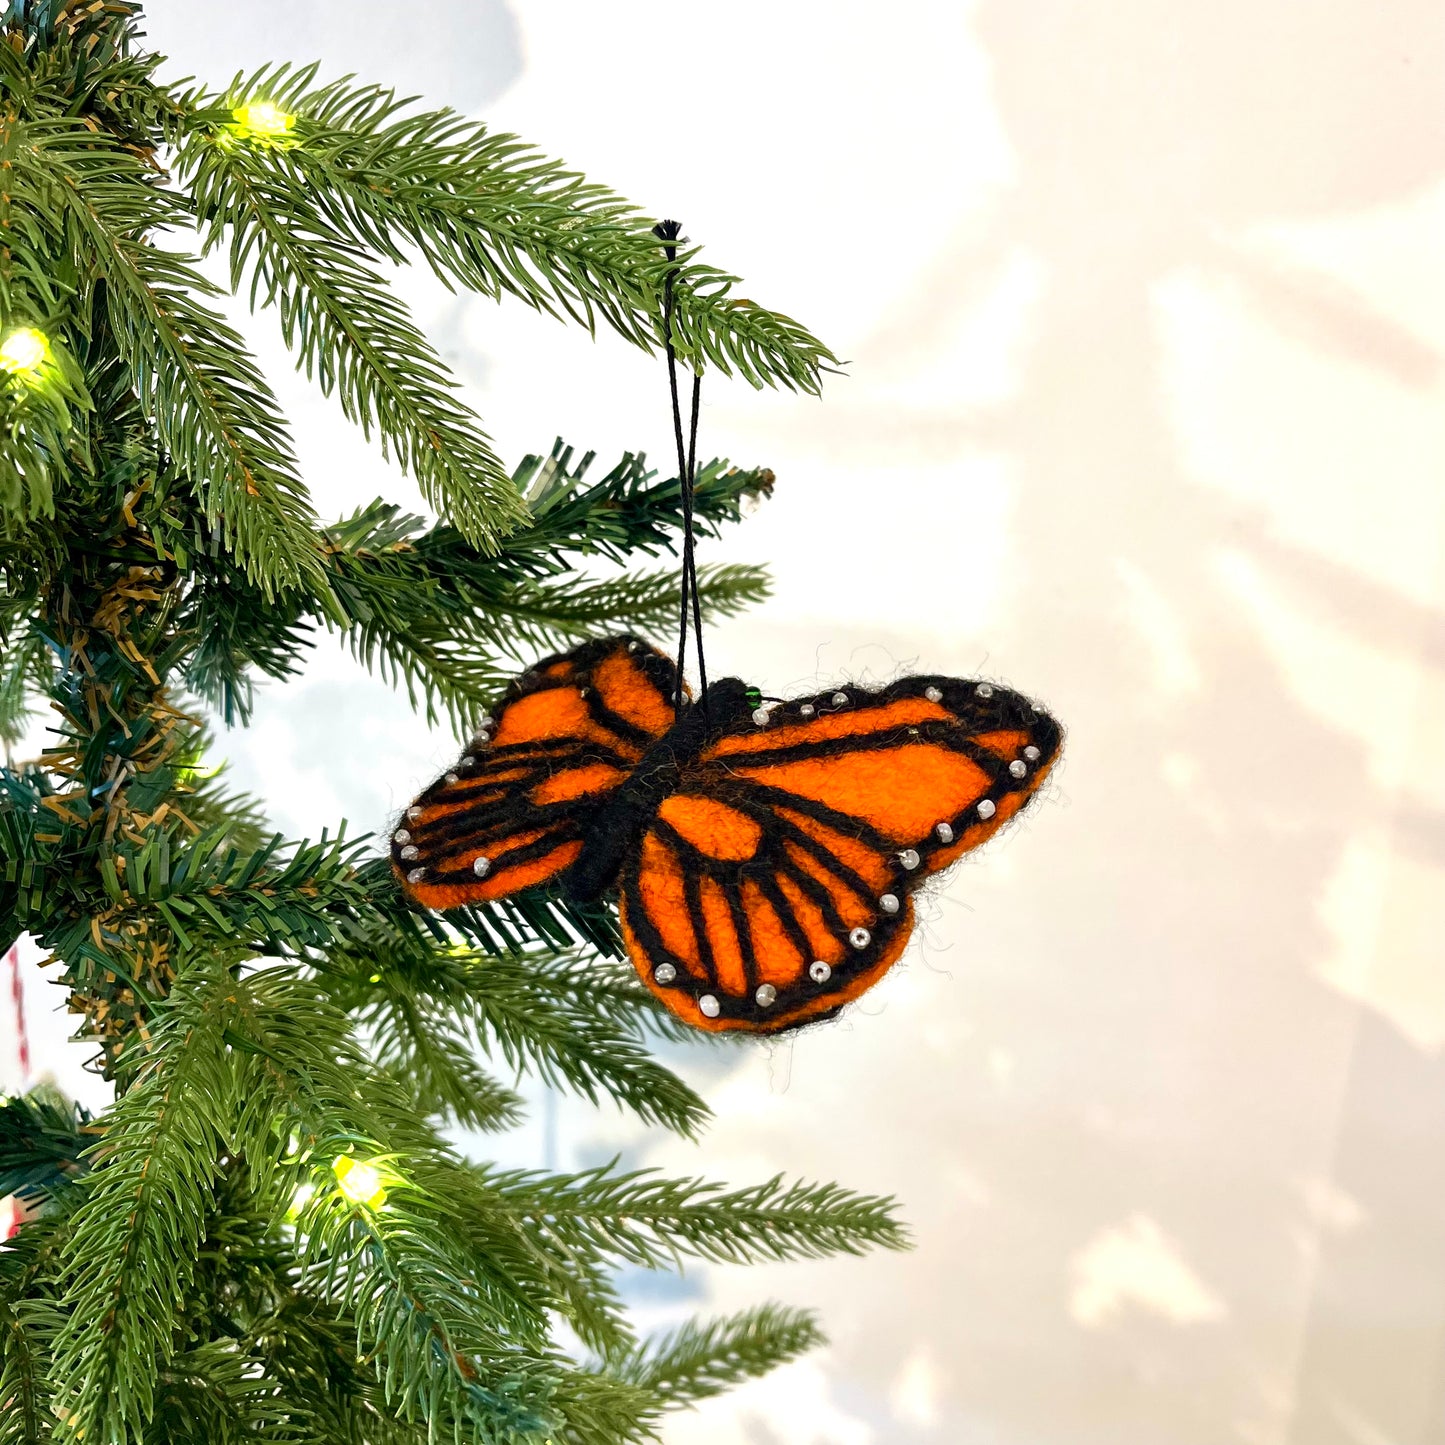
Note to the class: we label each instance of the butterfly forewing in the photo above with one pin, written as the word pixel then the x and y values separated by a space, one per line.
pixel 775 886
pixel 513 812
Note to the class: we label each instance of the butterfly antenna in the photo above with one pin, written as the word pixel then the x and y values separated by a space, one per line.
pixel 668 233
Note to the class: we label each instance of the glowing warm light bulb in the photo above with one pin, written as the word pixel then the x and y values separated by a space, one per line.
pixel 360 1182
pixel 300 1200
pixel 263 119
pixel 24 351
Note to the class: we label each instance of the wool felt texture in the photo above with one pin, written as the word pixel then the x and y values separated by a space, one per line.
pixel 764 857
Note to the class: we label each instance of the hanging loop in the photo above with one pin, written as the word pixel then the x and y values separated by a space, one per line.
pixel 668 233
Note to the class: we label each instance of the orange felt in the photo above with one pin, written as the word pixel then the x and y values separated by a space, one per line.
pixel 1002 744
pixel 678 1002
pixel 902 792
pixel 825 944
pixel 577 783
pixel 463 857
pixel 861 982
pixel 981 832
pixel 858 722
pixel 715 828
pixel 557 669
pixel 495 885
pixel 664 897
pixel 631 694
pixel 824 1003
pixel 871 866
pixel 494 771
pixel 851 909
pixel 464 797
pixel 722 935
pixel 555 712
pixel 527 875
pixel 778 960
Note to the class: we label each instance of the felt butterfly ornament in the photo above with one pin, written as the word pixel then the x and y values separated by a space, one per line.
pixel 764 854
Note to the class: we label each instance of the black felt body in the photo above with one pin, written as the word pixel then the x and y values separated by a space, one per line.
pixel 617 827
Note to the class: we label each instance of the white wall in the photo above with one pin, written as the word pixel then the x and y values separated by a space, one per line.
pixel 1145 315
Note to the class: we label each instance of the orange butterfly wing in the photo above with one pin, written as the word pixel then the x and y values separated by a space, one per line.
pixel 774 886
pixel 513 812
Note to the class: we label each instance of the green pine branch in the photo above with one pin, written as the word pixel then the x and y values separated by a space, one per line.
pixel 434 1063
pixel 656 1223
pixel 199 1268
pixel 42 1138
pixel 426 611
pixel 352 333
pixel 133 1242
pixel 192 371
pixel 524 1008
pixel 38 283
pixel 627 511
pixel 491 215
pixel 30 1319
pixel 701 1359
pixel 418 1299
pixel 26 670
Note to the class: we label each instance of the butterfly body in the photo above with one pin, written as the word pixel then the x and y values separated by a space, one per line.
pixel 621 821
pixel 764 858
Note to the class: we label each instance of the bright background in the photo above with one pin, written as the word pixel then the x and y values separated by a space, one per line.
pixel 1144 306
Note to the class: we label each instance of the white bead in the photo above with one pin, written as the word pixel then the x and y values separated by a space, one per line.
pixel 664 973
pixel 409 852
pixel 933 694
pixel 860 938
pixel 401 836
pixel 909 858
pixel 584 692
pixel 986 808
pixel 634 646
pixel 451 777
pixel 984 689
pixel 482 739
pixel 819 971
pixel 840 699
pixel 1017 768
pixel 416 875
pixel 945 833
pixel 889 903
pixel 413 812
pixel 807 710
pixel 467 762
pixel 760 717
pixel 1031 753
pixel 766 995
pixel 481 866
pixel 710 1007
pixel 488 721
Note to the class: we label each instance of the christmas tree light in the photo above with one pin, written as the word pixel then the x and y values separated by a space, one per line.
pixel 263 120
pixel 360 1182
pixel 23 352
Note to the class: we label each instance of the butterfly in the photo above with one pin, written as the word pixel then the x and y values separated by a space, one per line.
pixel 764 854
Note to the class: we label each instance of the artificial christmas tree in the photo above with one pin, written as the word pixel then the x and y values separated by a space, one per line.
pixel 268 1235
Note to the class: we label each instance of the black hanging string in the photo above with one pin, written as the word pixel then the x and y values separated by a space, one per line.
pixel 667 232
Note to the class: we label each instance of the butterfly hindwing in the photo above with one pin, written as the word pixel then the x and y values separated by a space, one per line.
pixel 513 812
pixel 775 885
